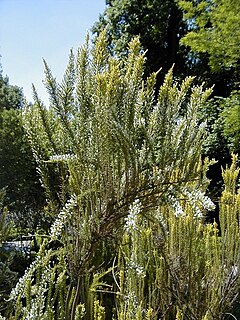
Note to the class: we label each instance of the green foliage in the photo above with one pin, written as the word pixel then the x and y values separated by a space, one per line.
pixel 128 241
pixel 230 118
pixel 185 263
pixel 17 170
pixel 23 197
pixel 214 30
pixel 10 96
pixel 212 42
pixel 18 176
pixel 223 127
pixel 4 229
pixel 158 23
pixel 7 276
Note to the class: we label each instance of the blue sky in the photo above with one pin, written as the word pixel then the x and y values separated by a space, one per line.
pixel 34 29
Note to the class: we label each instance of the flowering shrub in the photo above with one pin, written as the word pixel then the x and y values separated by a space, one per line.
pixel 129 241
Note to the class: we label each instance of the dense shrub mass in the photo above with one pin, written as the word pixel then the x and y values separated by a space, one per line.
pixel 120 199
pixel 126 189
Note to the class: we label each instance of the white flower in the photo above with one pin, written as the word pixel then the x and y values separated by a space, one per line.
pixel 63 216
pixel 175 204
pixel 178 209
pixel 38 303
pixel 63 157
pixel 131 219
pixel 199 201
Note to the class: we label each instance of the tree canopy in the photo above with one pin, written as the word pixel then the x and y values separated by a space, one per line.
pixel 18 174
pixel 10 96
pixel 158 23
pixel 214 29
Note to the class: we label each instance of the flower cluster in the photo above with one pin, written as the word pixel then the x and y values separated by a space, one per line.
pixel 175 204
pixel 199 201
pixel 37 306
pixel 19 289
pixel 63 157
pixel 131 219
pixel 133 265
pixel 63 216
pixel 131 298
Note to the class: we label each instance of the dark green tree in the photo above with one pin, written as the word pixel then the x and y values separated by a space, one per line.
pixel 10 96
pixel 231 120
pixel 18 175
pixel 17 169
pixel 158 23
pixel 4 228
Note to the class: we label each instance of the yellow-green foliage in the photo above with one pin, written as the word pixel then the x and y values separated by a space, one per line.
pixel 122 171
pixel 188 269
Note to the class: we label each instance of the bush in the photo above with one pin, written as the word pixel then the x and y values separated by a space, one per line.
pixel 121 166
